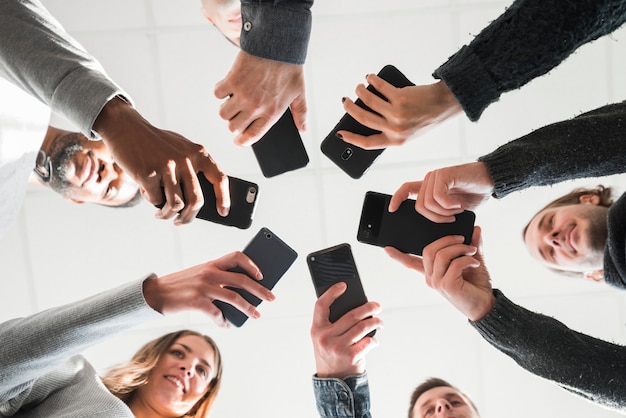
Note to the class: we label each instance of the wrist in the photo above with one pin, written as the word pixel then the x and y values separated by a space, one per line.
pixel 113 114
pixel 483 309
pixel 447 99
pixel 151 293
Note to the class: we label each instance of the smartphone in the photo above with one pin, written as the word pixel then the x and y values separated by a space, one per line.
pixel 405 229
pixel 353 160
pixel 333 265
pixel 243 197
pixel 281 149
pixel 273 257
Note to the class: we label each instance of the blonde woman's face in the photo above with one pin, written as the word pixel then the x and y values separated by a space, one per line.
pixel 180 378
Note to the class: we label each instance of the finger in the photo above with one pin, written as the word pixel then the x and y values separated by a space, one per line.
pixel 229 109
pixel 407 260
pixel 386 89
pixel 215 314
pixel 252 132
pixel 359 322
pixel 371 100
pixel 364 117
pixel 322 306
pixel 298 111
pixel 151 189
pixel 235 299
pixel 376 141
pixel 173 194
pixel 220 182
pixel 432 250
pixel 427 206
pixel 223 88
pixel 405 191
pixel 194 200
pixel 445 257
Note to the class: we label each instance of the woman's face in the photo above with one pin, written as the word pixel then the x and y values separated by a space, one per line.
pixel 180 377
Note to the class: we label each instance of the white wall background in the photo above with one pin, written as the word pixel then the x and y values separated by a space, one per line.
pixel 169 59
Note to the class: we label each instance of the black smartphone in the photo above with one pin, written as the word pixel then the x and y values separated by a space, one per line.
pixel 406 229
pixel 273 257
pixel 243 197
pixel 333 265
pixel 281 149
pixel 352 159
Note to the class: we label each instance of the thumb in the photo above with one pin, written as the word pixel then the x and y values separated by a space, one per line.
pixel 298 110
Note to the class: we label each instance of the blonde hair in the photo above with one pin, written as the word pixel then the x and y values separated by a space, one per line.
pixel 124 379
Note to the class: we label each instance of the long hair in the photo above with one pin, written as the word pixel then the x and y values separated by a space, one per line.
pixel 123 380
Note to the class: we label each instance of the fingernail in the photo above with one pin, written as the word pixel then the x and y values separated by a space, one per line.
pixel 270 296
pixel 343 99
pixel 338 135
pixel 256 314
pixel 259 276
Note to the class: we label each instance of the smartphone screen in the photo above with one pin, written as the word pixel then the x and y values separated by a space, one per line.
pixel 354 160
pixel 405 229
pixel 281 149
pixel 333 265
pixel 273 257
pixel 243 197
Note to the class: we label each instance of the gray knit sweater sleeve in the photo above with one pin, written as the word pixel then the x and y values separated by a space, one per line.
pixel 529 39
pixel 590 145
pixel 589 367
pixel 34 345
pixel 37 55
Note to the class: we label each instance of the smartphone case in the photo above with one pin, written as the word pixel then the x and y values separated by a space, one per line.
pixel 273 257
pixel 333 265
pixel 281 149
pixel 243 198
pixel 354 160
pixel 406 229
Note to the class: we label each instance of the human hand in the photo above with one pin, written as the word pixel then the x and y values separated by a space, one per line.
pixel 447 191
pixel 455 270
pixel 410 111
pixel 258 92
pixel 163 163
pixel 197 287
pixel 340 347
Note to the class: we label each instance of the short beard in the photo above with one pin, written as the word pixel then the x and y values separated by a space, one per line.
pixel 66 148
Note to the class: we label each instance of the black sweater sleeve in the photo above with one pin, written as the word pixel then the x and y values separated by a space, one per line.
pixel 590 145
pixel 592 368
pixel 529 39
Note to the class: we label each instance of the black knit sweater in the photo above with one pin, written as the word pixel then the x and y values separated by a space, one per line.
pixel 529 39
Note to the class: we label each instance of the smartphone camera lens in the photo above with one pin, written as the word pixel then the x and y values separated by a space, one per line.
pixel 268 235
pixel 346 154
pixel 367 233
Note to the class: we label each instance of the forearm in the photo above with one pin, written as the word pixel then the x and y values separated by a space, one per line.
pixel 32 345
pixel 276 30
pixel 37 55
pixel 529 39
pixel 590 145
pixel 589 367
pixel 347 398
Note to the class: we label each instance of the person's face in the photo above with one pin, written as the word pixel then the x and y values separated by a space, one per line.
pixel 89 173
pixel 570 238
pixel 180 378
pixel 226 16
pixel 443 402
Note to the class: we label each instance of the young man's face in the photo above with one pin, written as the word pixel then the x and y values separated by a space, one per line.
pixel 226 16
pixel 443 402
pixel 569 238
pixel 84 171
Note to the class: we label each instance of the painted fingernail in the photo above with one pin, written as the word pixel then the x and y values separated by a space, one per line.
pixel 343 99
pixel 338 135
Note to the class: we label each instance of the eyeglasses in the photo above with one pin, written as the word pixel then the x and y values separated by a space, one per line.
pixel 43 166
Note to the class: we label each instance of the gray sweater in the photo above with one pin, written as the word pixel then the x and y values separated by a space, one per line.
pixel 41 373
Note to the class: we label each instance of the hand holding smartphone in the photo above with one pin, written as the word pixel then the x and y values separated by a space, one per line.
pixel 406 229
pixel 273 257
pixel 243 197
pixel 281 149
pixel 354 160
pixel 333 265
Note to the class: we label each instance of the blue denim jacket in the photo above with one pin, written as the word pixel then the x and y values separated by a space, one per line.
pixel 347 398
pixel 277 30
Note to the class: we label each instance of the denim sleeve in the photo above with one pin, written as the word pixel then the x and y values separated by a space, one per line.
pixel 347 398
pixel 277 30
